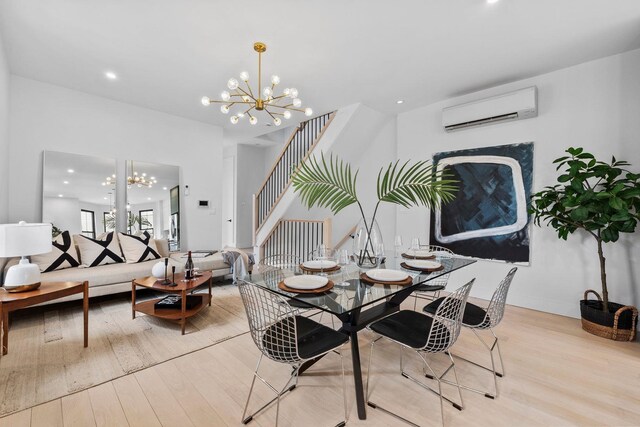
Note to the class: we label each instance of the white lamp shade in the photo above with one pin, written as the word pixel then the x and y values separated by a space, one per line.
pixel 24 239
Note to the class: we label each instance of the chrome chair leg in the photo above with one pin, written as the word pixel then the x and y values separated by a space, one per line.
pixel 409 377
pixel 279 393
pixel 493 370
pixel 253 382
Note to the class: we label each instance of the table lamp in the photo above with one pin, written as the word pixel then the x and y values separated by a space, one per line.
pixel 22 240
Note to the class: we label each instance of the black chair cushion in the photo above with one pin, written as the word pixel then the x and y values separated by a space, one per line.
pixel 474 316
pixel 313 338
pixel 409 328
pixel 429 288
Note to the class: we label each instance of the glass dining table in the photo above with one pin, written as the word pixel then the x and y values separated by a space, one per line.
pixel 355 302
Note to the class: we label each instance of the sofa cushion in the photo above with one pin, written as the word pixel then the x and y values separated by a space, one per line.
pixel 63 254
pixel 138 248
pixel 106 274
pixel 94 252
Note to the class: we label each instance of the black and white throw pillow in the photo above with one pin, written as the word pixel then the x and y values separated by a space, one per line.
pixel 63 254
pixel 94 252
pixel 138 248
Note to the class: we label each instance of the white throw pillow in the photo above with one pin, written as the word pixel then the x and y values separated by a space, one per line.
pixel 94 252
pixel 63 254
pixel 138 248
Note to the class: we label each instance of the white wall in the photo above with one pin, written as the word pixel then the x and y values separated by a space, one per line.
pixel 250 174
pixel 4 135
pixel 595 105
pixel 66 120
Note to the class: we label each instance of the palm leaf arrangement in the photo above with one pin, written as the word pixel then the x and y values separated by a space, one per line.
pixel 332 184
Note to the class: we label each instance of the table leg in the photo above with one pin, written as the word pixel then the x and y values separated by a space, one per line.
pixel 357 376
pixel 210 297
pixel 133 300
pixel 85 308
pixel 184 309
pixel 5 331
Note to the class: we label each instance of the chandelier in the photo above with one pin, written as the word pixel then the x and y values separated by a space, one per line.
pixel 266 100
pixel 139 180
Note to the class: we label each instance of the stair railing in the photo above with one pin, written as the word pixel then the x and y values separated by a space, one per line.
pixel 300 145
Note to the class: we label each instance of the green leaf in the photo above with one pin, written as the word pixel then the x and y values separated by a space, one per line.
pixel 329 185
pixel 420 184
pixel 617 203
pixel 580 214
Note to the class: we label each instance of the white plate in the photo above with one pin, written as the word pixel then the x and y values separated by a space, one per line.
pixel 306 282
pixel 387 275
pixel 320 264
pixel 423 264
pixel 422 253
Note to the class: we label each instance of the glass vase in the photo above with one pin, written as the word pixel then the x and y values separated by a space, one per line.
pixel 368 248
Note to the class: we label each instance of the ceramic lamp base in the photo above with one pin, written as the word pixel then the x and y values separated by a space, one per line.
pixel 23 288
pixel 22 277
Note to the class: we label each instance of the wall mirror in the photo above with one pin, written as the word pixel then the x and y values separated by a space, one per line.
pixel 76 195
pixel 153 200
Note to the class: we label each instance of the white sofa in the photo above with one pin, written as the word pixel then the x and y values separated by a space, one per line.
pixel 115 278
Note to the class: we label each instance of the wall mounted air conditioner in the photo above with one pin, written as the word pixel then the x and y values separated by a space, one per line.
pixel 518 105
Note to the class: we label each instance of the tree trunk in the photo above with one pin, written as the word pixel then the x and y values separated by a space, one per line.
pixel 603 277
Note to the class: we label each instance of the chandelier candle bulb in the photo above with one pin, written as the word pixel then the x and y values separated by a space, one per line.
pixel 297 102
pixel 287 115
pixel 205 100
pixel 253 120
pixel 244 76
pixel 224 95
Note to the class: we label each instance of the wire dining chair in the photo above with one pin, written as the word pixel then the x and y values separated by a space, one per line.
pixel 477 319
pixel 424 334
pixel 285 337
pixel 431 289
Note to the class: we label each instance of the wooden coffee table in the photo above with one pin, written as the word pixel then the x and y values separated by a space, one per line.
pixel 48 291
pixel 183 288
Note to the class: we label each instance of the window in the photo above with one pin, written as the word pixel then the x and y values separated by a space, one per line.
pixel 88 221
pixel 108 222
pixel 146 221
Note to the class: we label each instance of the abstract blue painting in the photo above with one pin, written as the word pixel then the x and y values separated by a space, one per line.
pixel 488 218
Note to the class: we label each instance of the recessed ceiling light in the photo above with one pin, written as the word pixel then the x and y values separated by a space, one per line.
pixel 399 101
pixel 106 198
pixel 65 182
pixel 60 195
pixel 70 170
pixel 110 75
pixel 164 188
pixel 148 198
pixel 492 1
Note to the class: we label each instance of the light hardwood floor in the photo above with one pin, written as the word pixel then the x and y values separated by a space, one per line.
pixel 556 375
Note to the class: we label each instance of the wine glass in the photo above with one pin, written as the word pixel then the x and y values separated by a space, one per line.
pixel 398 245
pixel 344 259
pixel 322 255
pixel 415 244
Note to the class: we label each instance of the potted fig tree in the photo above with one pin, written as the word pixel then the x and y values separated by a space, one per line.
pixel 603 200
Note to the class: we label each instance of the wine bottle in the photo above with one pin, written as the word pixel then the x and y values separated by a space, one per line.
pixel 188 268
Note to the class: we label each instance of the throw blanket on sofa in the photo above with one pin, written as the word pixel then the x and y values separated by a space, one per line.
pixel 240 262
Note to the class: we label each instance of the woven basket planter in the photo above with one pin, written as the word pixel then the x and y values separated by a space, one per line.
pixel 618 324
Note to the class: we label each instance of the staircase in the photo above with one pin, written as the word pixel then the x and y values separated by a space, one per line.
pixel 281 223
pixel 298 148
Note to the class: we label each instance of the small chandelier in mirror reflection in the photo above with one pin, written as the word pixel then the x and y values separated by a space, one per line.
pixel 134 179
pixel 246 102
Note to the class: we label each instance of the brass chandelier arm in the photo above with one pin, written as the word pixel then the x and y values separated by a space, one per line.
pixel 227 102
pixel 251 108
pixel 248 87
